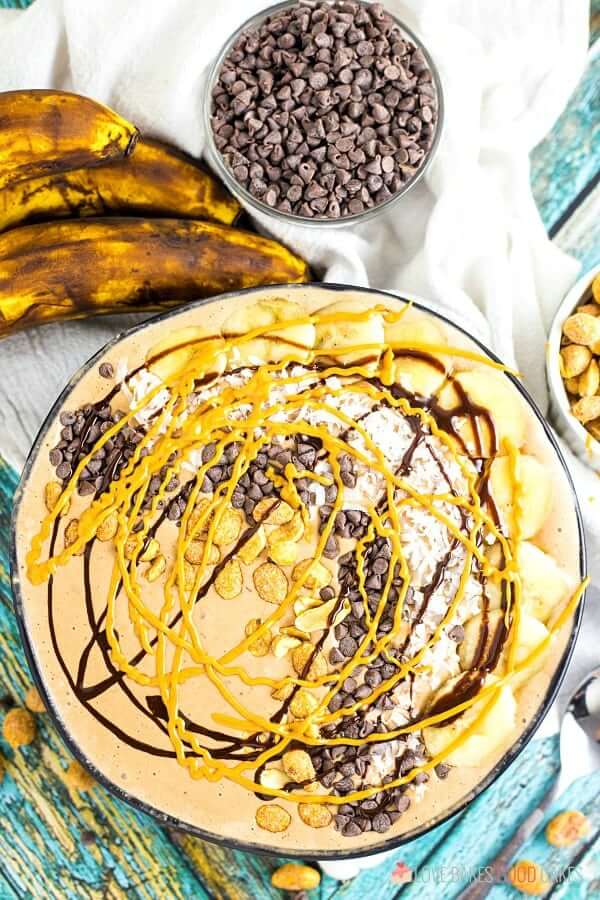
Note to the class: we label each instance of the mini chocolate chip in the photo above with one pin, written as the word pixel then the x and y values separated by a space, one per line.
pixel 64 470
pixel 335 657
pixel 381 822
pixel 106 370
pixel 348 646
pixel 402 803
pixel 457 633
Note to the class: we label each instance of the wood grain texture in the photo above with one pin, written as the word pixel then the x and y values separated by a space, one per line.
pixel 42 852
pixel 569 158
pixel 57 843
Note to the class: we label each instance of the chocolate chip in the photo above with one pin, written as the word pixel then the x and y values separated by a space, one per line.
pixel 348 646
pixel 381 822
pixel 402 803
pixel 457 633
pixel 106 370
pixel 441 770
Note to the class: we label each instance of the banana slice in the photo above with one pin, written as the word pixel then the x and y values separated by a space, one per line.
pixel 296 340
pixel 491 390
pixel 170 355
pixel 544 585
pixel 334 336
pixel 494 729
pixel 416 375
pixel 530 632
pixel 482 632
pixel 535 494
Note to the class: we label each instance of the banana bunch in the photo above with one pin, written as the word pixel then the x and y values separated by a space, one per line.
pixel 67 166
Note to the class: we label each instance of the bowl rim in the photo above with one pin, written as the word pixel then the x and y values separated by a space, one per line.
pixel 239 191
pixel 173 822
pixel 586 442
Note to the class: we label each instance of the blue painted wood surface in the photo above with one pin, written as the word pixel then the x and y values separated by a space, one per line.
pixel 58 843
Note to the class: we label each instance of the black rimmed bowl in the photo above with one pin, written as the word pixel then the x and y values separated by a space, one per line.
pixel 329 293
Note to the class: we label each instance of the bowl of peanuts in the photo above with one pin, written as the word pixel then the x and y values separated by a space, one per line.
pixel 573 368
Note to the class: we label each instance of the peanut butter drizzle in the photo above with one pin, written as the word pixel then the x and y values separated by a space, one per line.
pixel 180 430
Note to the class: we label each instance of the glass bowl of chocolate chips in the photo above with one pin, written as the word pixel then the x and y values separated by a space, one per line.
pixel 323 113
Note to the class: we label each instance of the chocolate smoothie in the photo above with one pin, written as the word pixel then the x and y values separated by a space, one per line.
pixel 297 568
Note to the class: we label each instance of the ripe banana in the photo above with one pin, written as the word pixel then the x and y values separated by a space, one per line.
pixel 154 180
pixel 44 132
pixel 494 730
pixel 66 270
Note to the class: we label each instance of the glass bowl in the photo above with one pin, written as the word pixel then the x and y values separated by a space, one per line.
pixel 253 203
pixel 133 343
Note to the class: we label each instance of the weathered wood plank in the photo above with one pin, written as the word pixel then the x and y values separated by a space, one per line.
pixel 569 157
pixel 571 874
pixel 580 235
pixel 42 852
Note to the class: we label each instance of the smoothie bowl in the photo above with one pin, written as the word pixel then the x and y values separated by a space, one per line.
pixel 297 569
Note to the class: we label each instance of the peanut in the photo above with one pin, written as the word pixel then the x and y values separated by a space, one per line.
pixel 314 814
pixel 567 828
pixel 34 702
pixel 253 546
pixel 281 513
pixel 303 704
pixel 285 553
pixel 298 765
pixel 52 493
pixel 596 288
pixel 282 644
pixel 107 528
pixel 274 778
pixel 228 529
pixel 586 409
pixel 270 582
pixel 282 693
pixel 230 581
pixel 582 328
pixel 195 553
pixel 529 878
pixel 71 534
pixel 589 381
pixel 301 656
pixel 317 575
pixel 294 877
pixel 259 647
pixel 151 551
pixel 273 818
pixel 574 360
pixel 592 309
pixel 19 727
pixel 156 568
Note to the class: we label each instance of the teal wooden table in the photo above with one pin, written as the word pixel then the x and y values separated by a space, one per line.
pixel 56 842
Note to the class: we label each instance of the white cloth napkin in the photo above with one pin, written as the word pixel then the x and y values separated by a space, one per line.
pixel 468 237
